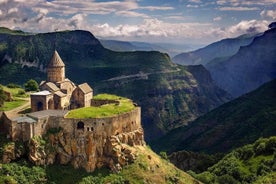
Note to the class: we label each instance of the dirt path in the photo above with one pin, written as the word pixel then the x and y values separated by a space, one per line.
pixel 15 112
pixel 142 75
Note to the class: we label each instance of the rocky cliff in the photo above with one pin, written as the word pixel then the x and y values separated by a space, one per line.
pixel 88 151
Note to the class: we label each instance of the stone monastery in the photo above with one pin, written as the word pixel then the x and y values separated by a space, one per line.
pixel 59 92
pixel 84 142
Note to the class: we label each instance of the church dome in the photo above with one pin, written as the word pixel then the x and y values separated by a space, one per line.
pixel 56 61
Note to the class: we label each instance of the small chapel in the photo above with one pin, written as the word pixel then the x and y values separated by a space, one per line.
pixel 58 92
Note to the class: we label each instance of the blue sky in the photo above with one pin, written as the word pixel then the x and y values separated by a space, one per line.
pixel 175 21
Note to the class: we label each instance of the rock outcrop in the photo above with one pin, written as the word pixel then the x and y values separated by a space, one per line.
pixel 88 151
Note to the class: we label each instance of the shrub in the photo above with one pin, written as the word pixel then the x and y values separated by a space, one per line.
pixel 227 179
pixel 163 155
pixel 206 177
pixel 31 85
pixel 21 92
pixel 12 85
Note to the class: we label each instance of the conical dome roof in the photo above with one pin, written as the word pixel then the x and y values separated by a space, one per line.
pixel 56 61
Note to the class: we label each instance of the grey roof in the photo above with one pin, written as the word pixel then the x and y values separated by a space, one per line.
pixel 48 113
pixel 56 61
pixel 60 94
pixel 52 86
pixel 24 119
pixel 42 93
pixel 85 88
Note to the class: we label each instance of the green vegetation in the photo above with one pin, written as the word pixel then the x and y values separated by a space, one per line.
pixel 125 105
pixel 13 104
pixel 16 91
pixel 147 168
pixel 31 85
pixel 249 164
pixel 4 30
pixel 18 94
pixel 229 126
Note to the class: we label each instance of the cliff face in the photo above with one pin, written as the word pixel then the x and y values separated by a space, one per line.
pixel 88 151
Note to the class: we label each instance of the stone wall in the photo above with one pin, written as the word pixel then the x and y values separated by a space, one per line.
pixel 93 143
pixel 87 99
pixel 55 74
pixel 97 103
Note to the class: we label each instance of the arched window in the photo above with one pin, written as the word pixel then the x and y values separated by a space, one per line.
pixel 39 106
pixel 80 125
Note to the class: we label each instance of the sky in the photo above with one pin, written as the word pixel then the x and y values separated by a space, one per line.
pixel 171 21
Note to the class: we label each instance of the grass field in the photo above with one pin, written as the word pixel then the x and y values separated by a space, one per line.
pixel 16 92
pixel 13 104
pixel 107 110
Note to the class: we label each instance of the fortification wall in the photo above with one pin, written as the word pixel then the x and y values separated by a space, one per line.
pixel 97 103
pixel 121 123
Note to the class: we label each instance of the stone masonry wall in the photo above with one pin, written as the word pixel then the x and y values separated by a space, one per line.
pixel 92 143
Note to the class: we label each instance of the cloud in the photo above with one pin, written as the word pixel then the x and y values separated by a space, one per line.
pixel 195 1
pixel 251 26
pixel 152 8
pixel 192 6
pixel 268 14
pixel 151 29
pixel 217 19
pixel 238 8
pixel 246 2
pixel 131 14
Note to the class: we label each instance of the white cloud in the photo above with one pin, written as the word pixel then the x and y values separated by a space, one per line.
pixel 195 1
pixel 238 8
pixel 246 2
pixel 217 19
pixel 268 14
pixel 192 6
pixel 152 8
pixel 131 14
pixel 251 26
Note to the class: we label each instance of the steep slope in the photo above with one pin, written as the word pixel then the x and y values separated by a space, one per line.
pixel 170 95
pixel 252 66
pixel 146 168
pixel 231 125
pixel 252 163
pixel 223 48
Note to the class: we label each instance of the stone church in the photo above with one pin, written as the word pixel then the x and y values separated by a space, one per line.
pixel 58 92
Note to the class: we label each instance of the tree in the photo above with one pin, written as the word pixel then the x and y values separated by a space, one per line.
pixel 31 85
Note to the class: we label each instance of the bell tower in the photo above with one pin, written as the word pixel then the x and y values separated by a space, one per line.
pixel 56 69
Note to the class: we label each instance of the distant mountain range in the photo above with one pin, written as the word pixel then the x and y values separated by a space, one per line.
pixel 237 65
pixel 170 48
pixel 170 95
pixel 221 49
pixel 234 124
